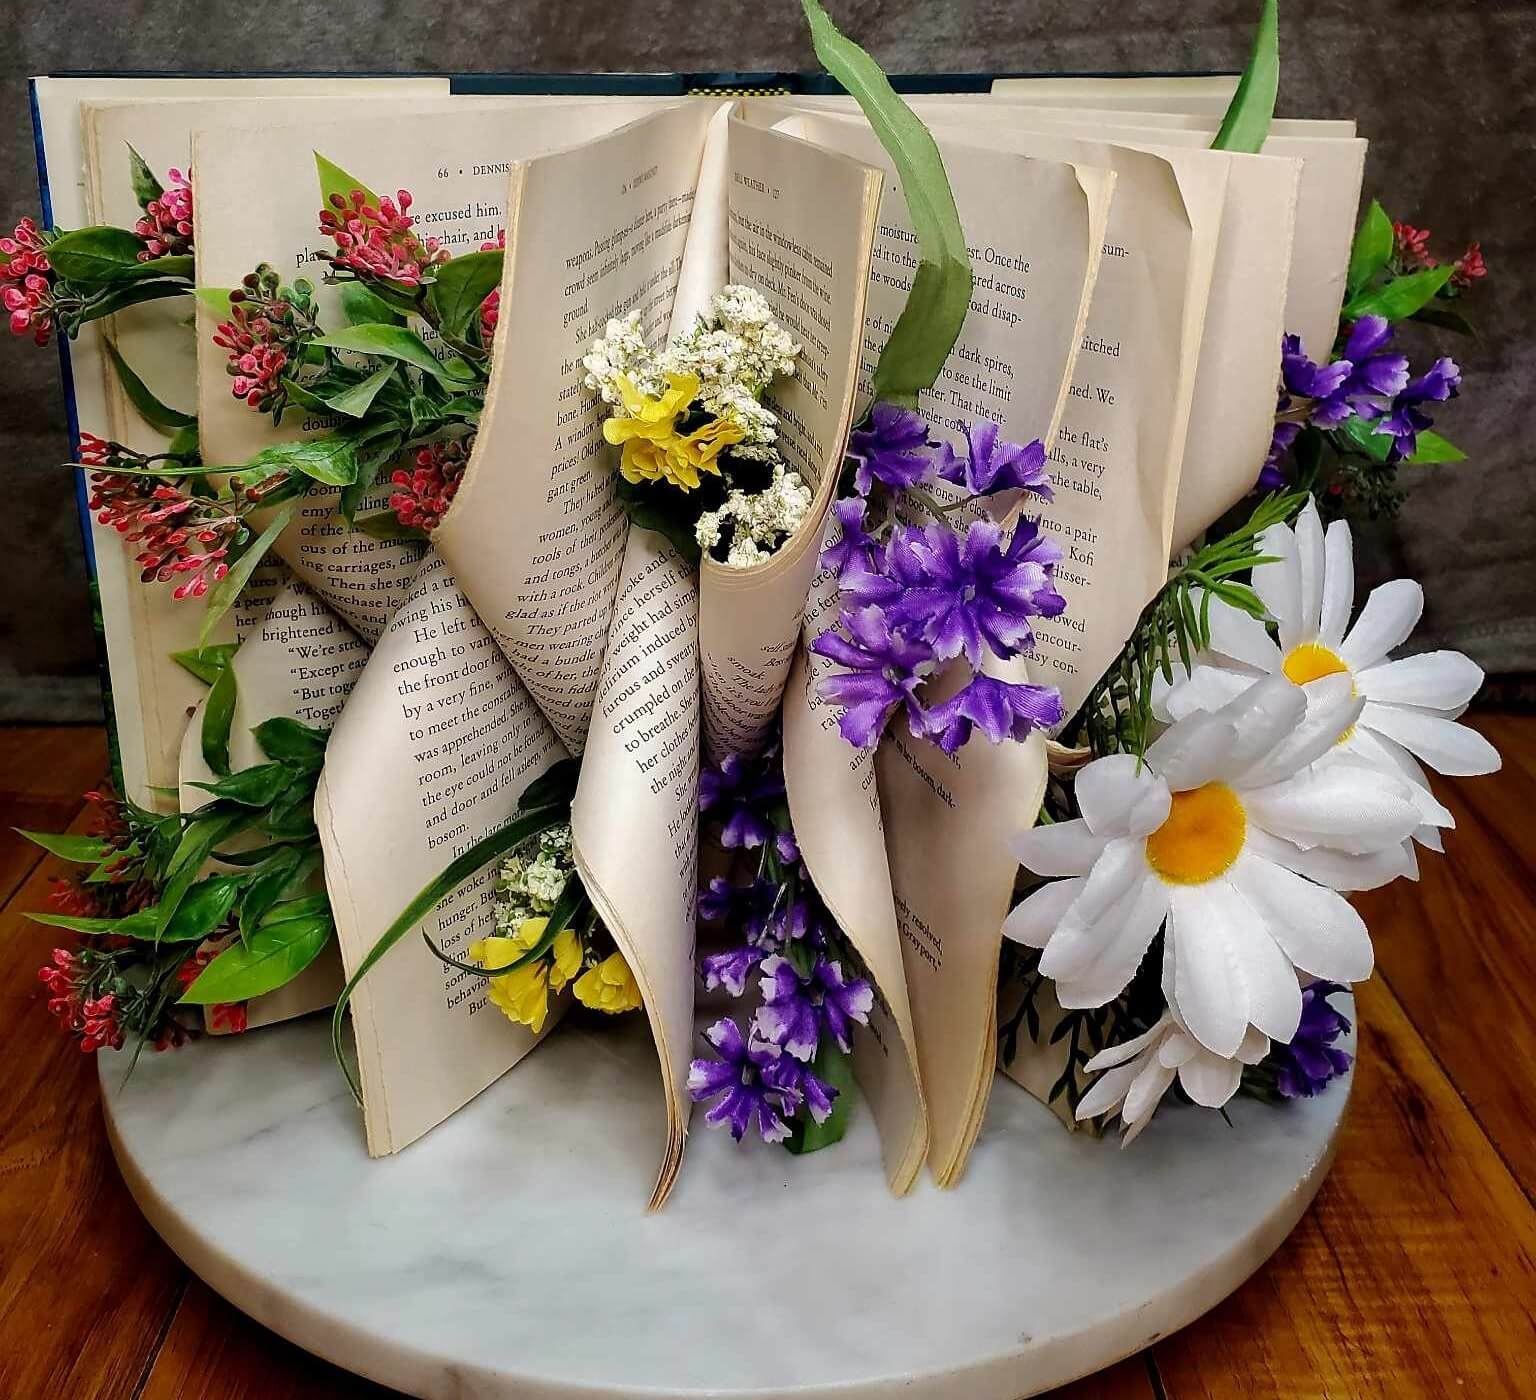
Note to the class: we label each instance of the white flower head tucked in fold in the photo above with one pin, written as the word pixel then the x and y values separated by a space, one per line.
pixel 1134 1075
pixel 1227 832
pixel 1410 706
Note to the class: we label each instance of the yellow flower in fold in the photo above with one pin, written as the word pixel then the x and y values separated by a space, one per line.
pixel 610 986
pixel 567 958
pixel 654 450
pixel 523 994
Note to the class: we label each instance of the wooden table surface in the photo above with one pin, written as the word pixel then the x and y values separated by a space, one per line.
pixel 1414 1274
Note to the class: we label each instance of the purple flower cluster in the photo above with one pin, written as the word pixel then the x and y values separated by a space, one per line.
pixel 1307 1065
pixel 1367 380
pixel 918 597
pixel 766 1076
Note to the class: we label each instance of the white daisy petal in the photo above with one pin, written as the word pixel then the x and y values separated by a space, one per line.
pixel 1127 1049
pixel 1130 926
pixel 1035 918
pixel 1332 708
pixel 1062 848
pixel 1206 688
pixel 1243 638
pixel 1146 1092
pixel 1177 1049
pixel 1254 1048
pixel 1279 584
pixel 1093 919
pixel 1207 982
pixel 1318 930
pixel 1444 745
pixel 1120 796
pixel 1433 680
pixel 1199 749
pixel 1274 993
pixel 1389 615
pixel 1336 869
pixel 1309 558
pixel 1107 1092
pixel 1209 1080
pixel 1338 585
pixel 1345 804
pixel 1376 748
pixel 1429 837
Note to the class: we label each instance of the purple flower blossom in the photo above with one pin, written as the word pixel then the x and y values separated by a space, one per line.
pixel 740 1082
pixel 990 466
pixel 853 548
pixel 980 592
pixel 786 848
pixel 892 448
pixel 1000 709
pixel 814 1094
pixel 884 670
pixel 1403 420
pixel 1272 475
pixel 1305 1066
pixel 731 969
pixel 796 1010
pixel 739 791
pixel 1363 375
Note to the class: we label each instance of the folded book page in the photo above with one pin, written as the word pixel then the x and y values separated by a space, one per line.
pixel 801 224
pixel 455 163
pixel 431 754
pixel 1037 233
pixel 600 619
pixel 301 663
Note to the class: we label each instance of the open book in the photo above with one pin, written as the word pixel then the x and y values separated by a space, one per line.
pixel 1131 290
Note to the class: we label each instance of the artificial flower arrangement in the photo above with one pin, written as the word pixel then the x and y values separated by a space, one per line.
pixel 1251 756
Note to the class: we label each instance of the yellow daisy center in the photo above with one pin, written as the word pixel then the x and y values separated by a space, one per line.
pixel 1311 661
pixel 1202 837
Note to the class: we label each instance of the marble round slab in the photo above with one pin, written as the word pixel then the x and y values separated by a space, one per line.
pixel 508 1253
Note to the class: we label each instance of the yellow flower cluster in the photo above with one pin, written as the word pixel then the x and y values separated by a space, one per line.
pixel 654 450
pixel 522 995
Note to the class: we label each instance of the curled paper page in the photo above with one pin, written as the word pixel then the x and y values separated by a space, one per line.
pixel 801 230
pixel 835 808
pixel 301 664
pixel 536 531
pixel 436 745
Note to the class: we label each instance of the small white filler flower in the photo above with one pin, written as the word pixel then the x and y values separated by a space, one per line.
pixel 1410 705
pixel 1227 832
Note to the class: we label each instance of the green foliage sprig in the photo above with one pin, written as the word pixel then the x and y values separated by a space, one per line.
pixel 1252 109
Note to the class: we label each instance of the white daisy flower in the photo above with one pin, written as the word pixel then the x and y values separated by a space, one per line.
pixel 1134 1076
pixel 1410 705
pixel 1226 831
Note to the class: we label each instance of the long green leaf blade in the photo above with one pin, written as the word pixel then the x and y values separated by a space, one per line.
pixel 1252 109
pixel 222 595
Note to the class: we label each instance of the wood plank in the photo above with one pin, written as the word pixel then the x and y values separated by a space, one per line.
pixel 43 771
pixel 215 1352
pixel 1129 1380
pixel 1414 1273
pixel 1458 950
pixel 86 1287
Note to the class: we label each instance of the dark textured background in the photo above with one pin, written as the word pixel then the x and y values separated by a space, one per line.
pixel 1446 94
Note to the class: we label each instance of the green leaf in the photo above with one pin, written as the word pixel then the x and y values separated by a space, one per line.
pixel 196 844
pixel 1400 298
pixel 267 885
pixel 834 1068
pixel 98 254
pixel 460 286
pixel 279 949
pixel 187 442
pixel 290 742
pixel 330 459
pixel 505 838
pixel 182 266
pixel 360 306
pixel 206 662
pixel 1372 248
pixel 392 343
pixel 335 181
pixel 357 400
pixel 555 787
pixel 129 294
pixel 222 595
pixel 941 291
pixel 1432 449
pixel 216 299
pixel 139 924
pixel 1361 436
pixel 386 525
pixel 82 850
pixel 206 905
pixel 654 512
pixel 257 786
pixel 218 715
pixel 1246 124
pixel 1436 313
pixel 146 187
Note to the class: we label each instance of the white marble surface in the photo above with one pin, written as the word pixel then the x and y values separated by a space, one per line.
pixel 508 1254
